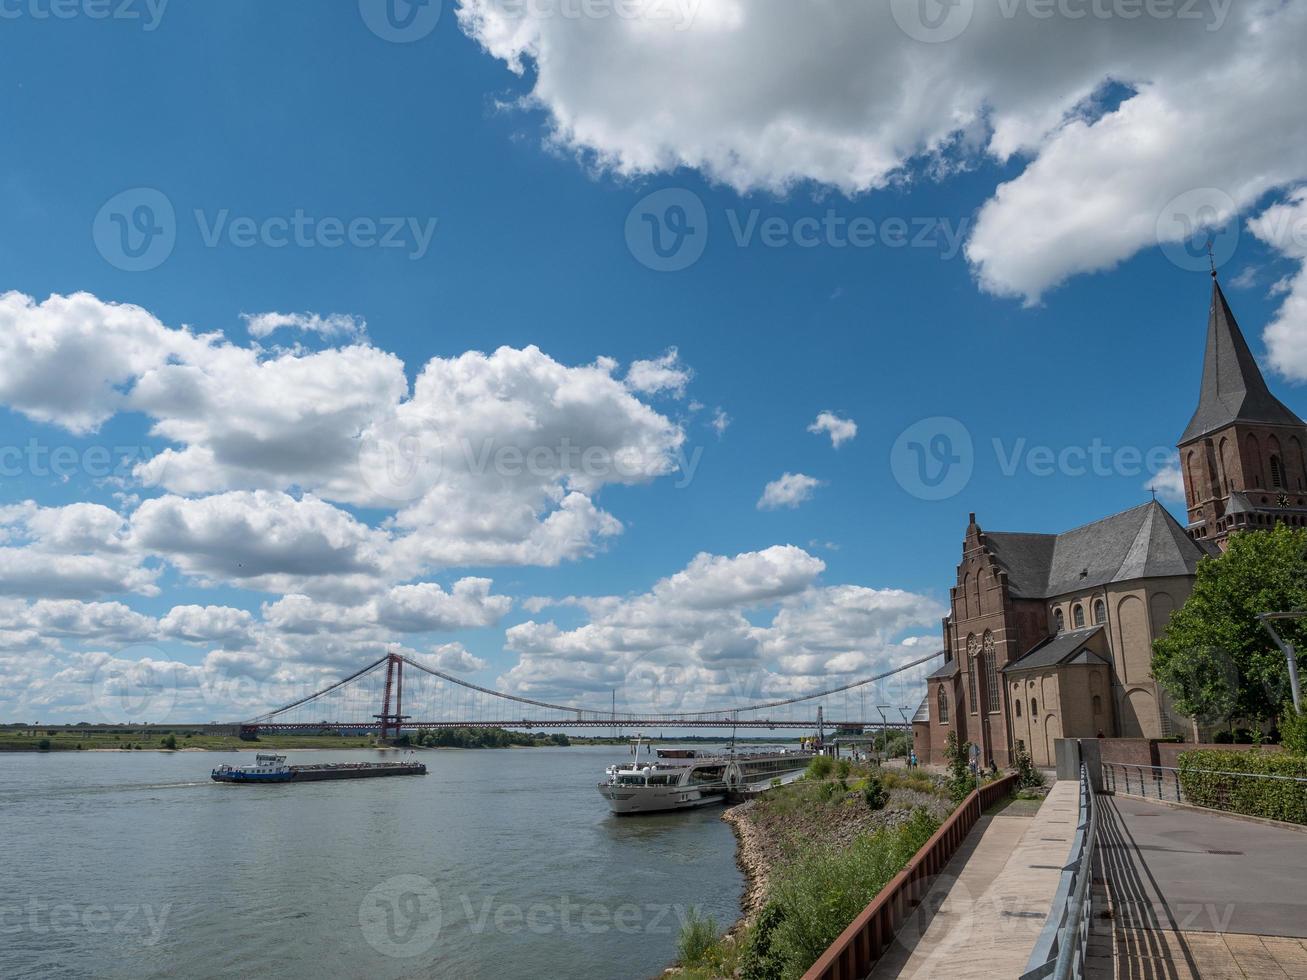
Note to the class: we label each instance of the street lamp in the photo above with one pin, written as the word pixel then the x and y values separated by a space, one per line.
pixel 1265 619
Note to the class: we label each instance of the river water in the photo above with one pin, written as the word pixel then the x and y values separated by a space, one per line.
pixel 497 864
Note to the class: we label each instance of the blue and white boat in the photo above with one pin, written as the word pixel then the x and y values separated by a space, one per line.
pixel 267 768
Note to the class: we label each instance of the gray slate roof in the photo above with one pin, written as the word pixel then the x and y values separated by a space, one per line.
pixel 1143 542
pixel 923 710
pixel 1065 648
pixel 1233 387
pixel 949 668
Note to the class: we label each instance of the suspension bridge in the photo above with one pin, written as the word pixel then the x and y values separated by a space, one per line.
pixel 397 693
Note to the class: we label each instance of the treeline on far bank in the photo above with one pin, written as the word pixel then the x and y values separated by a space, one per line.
pixel 479 738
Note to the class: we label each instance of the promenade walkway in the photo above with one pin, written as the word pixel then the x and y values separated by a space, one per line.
pixel 1196 894
pixel 985 911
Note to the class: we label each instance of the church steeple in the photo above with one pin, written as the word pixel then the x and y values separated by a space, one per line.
pixel 1233 387
pixel 1244 454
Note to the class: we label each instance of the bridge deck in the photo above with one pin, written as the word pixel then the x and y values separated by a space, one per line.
pixel 990 903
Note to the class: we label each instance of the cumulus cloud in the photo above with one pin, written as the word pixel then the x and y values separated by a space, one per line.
pixel 1283 227
pixel 1108 117
pixel 840 430
pixel 790 490
pixel 663 374
pixel 79 551
pixel 453 657
pixel 1168 482
pixel 333 326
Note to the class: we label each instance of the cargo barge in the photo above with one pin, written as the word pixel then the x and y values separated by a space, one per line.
pixel 273 769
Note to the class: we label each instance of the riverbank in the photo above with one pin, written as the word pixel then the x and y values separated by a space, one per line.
pixel 834 837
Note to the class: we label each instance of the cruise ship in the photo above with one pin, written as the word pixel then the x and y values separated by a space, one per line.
pixel 679 779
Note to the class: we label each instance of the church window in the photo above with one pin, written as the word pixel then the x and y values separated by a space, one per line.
pixel 1277 473
pixel 1100 612
pixel 1059 620
pixel 991 674
pixel 1078 616
pixel 1017 705
pixel 943 706
pixel 1098 704
pixel 1034 710
pixel 971 682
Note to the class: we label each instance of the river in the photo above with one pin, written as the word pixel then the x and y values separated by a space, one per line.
pixel 497 864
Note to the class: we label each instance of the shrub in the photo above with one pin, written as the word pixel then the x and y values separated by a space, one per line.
pixel 960 781
pixel 44 744
pixel 875 794
pixel 820 767
pixel 698 934
pixel 824 889
pixel 1028 777
pixel 1202 777
pixel 759 960
pixel 169 741
pixel 1293 731
pixel 843 767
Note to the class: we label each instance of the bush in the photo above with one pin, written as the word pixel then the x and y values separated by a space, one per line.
pixel 1293 731
pixel 698 934
pixel 875 794
pixel 843 768
pixel 815 898
pixel 1028 777
pixel 1201 778
pixel 960 781
pixel 169 741
pixel 820 767
pixel 44 744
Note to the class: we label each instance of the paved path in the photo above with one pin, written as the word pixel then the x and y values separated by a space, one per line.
pixel 1196 894
pixel 983 914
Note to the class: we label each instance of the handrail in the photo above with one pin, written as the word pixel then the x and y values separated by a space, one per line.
pixel 861 944
pixel 1063 944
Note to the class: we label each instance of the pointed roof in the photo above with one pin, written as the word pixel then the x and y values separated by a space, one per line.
pixel 1065 648
pixel 1233 387
pixel 1143 542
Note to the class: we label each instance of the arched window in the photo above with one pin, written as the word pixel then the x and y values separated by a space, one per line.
pixel 1098 705
pixel 1034 710
pixel 1018 708
pixel 1277 473
pixel 1100 612
pixel 1078 616
pixel 1059 621
pixel 991 674
pixel 973 664
pixel 943 706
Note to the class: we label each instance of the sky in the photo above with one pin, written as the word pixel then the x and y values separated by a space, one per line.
pixel 581 346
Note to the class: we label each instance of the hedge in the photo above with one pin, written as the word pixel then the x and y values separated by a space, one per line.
pixel 1276 799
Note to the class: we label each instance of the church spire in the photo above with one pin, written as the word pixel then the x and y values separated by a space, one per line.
pixel 1233 387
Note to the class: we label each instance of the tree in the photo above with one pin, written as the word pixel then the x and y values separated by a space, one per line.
pixel 1215 659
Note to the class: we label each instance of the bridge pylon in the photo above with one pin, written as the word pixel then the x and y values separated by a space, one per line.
pixel 390 721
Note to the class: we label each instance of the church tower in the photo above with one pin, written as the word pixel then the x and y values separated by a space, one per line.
pixel 1242 455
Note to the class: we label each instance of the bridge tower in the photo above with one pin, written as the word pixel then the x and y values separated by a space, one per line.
pixel 391 721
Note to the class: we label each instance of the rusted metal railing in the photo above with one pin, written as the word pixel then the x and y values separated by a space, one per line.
pixel 858 947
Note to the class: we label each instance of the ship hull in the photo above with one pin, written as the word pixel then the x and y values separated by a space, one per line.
pixel 310 774
pixel 624 800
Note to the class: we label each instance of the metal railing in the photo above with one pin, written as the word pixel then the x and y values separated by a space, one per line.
pixel 1229 793
pixel 1064 942
pixel 860 945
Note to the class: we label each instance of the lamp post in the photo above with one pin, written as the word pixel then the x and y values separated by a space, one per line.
pixel 1266 619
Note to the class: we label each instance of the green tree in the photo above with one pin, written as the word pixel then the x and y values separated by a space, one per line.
pixel 958 756
pixel 1215 659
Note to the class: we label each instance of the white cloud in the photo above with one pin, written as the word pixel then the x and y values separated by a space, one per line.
pixel 453 657
pixel 1169 482
pixel 426 606
pixel 664 374
pixel 208 624
pixel 79 551
pixel 840 430
pixel 790 490
pixel 770 95
pixel 1283 227
pixel 720 422
pixel 333 326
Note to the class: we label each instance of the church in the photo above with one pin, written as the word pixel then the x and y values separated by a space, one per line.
pixel 1050 635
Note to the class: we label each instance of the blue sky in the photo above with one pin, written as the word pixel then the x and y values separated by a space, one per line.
pixel 245 112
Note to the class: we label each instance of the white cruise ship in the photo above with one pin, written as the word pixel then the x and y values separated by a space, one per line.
pixel 678 779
